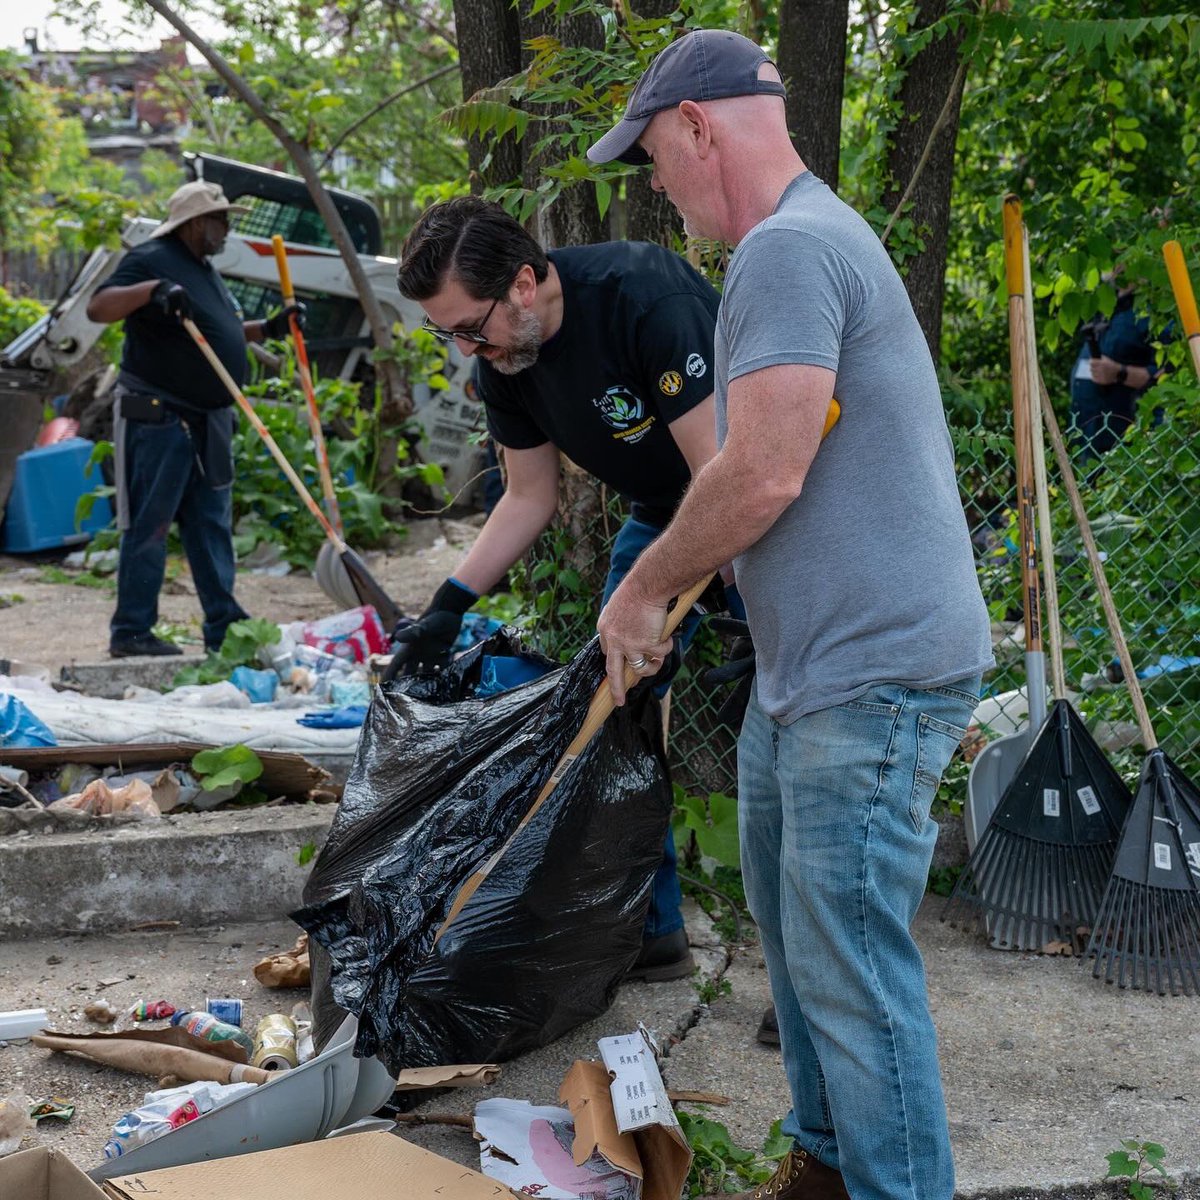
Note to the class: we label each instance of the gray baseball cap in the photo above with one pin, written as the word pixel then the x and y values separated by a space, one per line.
pixel 706 64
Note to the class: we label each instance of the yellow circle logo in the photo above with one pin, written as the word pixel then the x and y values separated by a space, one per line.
pixel 669 383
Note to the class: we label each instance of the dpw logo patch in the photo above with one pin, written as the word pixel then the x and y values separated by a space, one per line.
pixel 670 383
pixel 621 409
pixel 696 366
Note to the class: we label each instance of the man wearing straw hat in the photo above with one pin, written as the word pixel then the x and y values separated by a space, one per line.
pixel 172 420
pixel 854 561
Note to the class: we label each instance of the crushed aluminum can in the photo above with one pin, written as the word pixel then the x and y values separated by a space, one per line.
pixel 225 1008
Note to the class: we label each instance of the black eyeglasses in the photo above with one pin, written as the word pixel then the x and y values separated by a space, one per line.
pixel 468 335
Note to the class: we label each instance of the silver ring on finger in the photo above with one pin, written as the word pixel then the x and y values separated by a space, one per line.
pixel 638 663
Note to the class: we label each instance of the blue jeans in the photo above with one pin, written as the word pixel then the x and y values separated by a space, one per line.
pixel 665 898
pixel 836 842
pixel 164 484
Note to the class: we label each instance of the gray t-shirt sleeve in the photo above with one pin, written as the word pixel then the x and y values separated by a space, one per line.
pixel 790 297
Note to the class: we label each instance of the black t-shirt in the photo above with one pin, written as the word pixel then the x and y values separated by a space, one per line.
pixel 634 353
pixel 157 347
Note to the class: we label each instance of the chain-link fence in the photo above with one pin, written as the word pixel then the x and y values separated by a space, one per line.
pixel 1143 497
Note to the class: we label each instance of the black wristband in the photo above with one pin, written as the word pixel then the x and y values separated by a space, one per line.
pixel 451 597
pixel 1122 374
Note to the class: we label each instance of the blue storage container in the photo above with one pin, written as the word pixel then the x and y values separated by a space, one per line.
pixel 47 484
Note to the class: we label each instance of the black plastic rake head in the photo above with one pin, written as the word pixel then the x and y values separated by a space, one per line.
pixel 1039 871
pixel 1147 935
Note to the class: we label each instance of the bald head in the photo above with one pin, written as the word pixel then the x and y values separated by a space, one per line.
pixel 723 163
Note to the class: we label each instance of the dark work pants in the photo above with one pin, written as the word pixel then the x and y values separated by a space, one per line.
pixel 163 484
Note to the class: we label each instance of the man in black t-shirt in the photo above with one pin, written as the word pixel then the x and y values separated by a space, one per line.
pixel 601 352
pixel 172 421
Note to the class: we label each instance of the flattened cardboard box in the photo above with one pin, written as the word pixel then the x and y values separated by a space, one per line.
pixel 364 1166
pixel 44 1174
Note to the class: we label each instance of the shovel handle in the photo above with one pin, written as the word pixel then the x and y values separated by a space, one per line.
pixel 1185 298
pixel 1097 565
pixel 306 383
pixel 262 431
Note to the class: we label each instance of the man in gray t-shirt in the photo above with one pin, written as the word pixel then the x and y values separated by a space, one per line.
pixel 854 561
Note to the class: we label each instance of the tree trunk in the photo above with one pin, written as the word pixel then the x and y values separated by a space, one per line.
pixel 394 395
pixel 930 98
pixel 489 46
pixel 812 60
pixel 573 219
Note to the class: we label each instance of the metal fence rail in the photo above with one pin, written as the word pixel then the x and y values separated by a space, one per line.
pixel 1143 496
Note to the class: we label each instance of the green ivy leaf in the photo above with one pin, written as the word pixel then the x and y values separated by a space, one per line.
pixel 223 765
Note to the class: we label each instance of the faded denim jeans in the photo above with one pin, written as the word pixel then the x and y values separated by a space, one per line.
pixel 836 842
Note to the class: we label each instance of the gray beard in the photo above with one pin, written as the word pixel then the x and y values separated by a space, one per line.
pixel 526 342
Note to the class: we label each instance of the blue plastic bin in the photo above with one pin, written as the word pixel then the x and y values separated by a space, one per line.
pixel 47 483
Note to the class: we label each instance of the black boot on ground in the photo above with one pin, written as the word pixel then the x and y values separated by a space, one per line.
pixel 662 958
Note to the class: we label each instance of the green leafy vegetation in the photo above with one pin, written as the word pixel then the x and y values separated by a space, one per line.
pixel 243 641
pixel 719 1164
pixel 1141 1164
pixel 224 765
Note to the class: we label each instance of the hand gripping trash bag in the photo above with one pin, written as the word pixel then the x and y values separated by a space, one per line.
pixel 440 782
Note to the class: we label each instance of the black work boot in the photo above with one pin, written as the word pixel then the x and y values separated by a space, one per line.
pixel 141 644
pixel 798 1177
pixel 662 958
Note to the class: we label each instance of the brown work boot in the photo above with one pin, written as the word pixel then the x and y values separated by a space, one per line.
pixel 798 1177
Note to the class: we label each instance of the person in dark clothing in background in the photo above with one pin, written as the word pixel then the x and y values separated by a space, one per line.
pixel 172 420
pixel 1115 368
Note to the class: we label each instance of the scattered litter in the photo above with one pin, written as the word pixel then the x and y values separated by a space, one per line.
pixel 466 1075
pixel 56 1108
pixel 148 1122
pixel 15 1122
pixel 618 1138
pixel 344 693
pixel 20 726
pixel 102 562
pixel 287 969
pixel 225 1008
pixel 302 1016
pixel 157 1057
pixel 350 717
pixel 153 926
pixel 22 1023
pixel 101 1012
pixel 275 1043
pixel 208 1028
pixel 258 686
pixel 99 800
pixel 353 635
pixel 154 1010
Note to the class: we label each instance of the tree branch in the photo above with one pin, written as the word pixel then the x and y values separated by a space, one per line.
pixel 381 329
pixel 938 126
pixel 378 108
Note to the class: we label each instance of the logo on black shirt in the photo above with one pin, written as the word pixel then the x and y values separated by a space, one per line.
pixel 621 409
pixel 696 366
pixel 670 382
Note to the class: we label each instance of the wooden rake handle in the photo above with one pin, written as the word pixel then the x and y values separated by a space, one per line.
pixel 1097 565
pixel 262 431
pixel 1185 298
pixel 1022 387
pixel 306 383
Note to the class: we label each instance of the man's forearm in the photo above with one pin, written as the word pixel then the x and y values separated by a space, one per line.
pixel 508 533
pixel 720 516
pixel 116 303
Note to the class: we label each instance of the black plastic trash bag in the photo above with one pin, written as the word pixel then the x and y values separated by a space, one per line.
pixel 439 784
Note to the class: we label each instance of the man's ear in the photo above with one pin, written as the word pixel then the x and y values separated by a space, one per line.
pixel 526 285
pixel 696 126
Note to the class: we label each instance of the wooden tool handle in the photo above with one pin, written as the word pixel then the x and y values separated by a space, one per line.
pixel 1185 298
pixel 262 431
pixel 1014 257
pixel 1041 488
pixel 285 274
pixel 1097 565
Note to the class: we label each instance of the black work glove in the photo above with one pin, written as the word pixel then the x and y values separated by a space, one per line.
pixel 172 298
pixel 737 669
pixel 425 644
pixel 277 326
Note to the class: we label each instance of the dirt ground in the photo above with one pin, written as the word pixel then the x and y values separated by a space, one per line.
pixel 58 623
pixel 183 966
